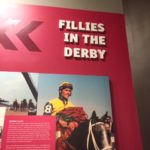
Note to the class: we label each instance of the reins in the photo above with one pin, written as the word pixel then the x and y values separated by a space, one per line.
pixel 90 132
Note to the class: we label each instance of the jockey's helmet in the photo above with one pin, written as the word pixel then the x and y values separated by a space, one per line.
pixel 64 85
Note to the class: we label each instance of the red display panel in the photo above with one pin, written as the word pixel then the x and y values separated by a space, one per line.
pixel 24 132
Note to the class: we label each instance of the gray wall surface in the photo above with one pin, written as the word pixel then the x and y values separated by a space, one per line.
pixel 138 31
pixel 97 5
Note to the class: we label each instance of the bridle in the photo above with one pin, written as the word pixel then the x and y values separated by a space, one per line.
pixel 90 132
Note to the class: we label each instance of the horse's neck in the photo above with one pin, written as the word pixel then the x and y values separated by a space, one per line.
pixel 79 135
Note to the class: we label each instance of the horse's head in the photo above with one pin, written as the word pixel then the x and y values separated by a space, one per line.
pixel 99 132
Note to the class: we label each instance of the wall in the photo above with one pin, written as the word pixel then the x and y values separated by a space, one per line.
pixel 137 26
pixel 107 5
pixel 138 31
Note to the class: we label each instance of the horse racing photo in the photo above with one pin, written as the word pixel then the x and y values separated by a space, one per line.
pixel 18 93
pixel 82 106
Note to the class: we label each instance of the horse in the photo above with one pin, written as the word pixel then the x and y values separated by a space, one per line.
pixel 23 105
pixel 91 135
pixel 15 105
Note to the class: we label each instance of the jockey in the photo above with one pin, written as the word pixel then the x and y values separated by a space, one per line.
pixel 68 116
pixel 56 105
